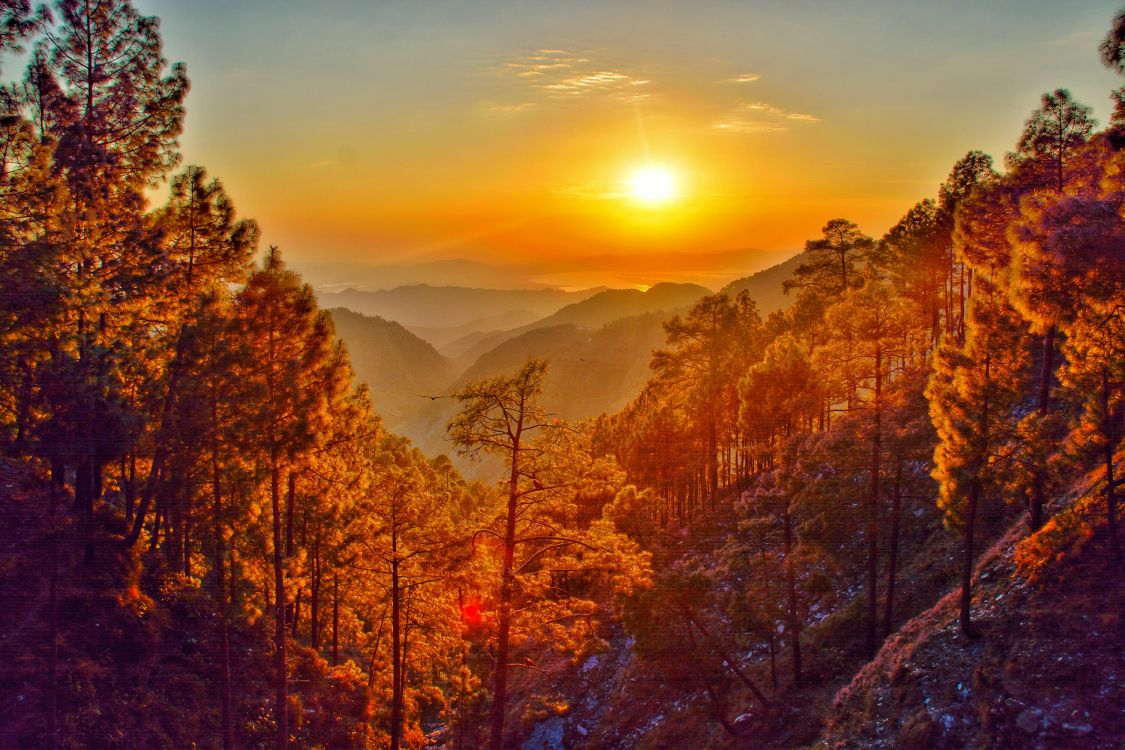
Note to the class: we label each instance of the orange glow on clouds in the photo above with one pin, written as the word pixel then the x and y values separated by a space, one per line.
pixel 503 132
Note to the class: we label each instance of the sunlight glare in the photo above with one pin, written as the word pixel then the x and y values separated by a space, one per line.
pixel 652 185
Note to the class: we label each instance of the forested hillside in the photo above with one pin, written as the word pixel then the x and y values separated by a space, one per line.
pixel 398 368
pixel 591 371
pixel 424 306
pixel 883 515
pixel 599 310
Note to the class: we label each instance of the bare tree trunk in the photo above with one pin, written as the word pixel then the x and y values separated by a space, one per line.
pixel 1110 432
pixel 500 683
pixel 794 624
pixel 731 663
pixel 1039 478
pixel 396 646
pixel 973 501
pixel 220 585
pixel 769 598
pixel 186 535
pixel 967 562
pixel 290 502
pixel 873 511
pixel 293 625
pixel 155 473
pixel 717 706
pixel 335 619
pixel 53 614
pixel 314 602
pixel 282 694
pixel 892 561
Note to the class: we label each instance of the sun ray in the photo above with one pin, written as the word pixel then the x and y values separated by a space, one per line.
pixel 652 185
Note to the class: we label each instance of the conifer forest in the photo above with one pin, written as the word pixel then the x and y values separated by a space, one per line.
pixel 867 498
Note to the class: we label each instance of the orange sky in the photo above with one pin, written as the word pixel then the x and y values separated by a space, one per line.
pixel 397 131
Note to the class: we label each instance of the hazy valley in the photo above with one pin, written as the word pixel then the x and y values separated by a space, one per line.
pixel 485 439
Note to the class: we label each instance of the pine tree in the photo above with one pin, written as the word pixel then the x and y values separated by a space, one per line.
pixel 698 373
pixel 780 397
pixel 296 383
pixel 538 531
pixel 874 336
pixel 115 127
pixel 201 426
pixel 410 528
pixel 1112 47
pixel 1069 272
pixel 205 248
pixel 1046 152
pixel 972 393
pixel 833 262
pixel 1050 140
pixel 16 22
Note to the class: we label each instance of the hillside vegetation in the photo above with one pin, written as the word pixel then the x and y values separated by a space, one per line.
pixel 882 515
pixel 443 307
pixel 400 369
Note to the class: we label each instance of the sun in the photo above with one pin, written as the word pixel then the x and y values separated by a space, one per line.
pixel 652 185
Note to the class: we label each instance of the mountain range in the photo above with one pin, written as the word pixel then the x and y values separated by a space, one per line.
pixel 598 344
pixel 398 368
pixel 442 307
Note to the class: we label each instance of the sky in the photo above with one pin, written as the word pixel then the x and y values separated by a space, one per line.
pixel 365 133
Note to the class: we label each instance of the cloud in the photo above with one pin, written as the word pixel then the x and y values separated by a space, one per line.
pixel 760 117
pixel 511 109
pixel 543 63
pixel 557 74
pixel 744 78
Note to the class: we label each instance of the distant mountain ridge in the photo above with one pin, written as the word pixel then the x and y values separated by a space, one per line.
pixel 591 371
pixel 596 311
pixel 765 286
pixel 462 272
pixel 399 368
pixel 449 306
pixel 711 269
pixel 598 349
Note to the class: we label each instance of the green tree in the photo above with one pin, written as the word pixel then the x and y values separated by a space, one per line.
pixel 538 531
pixel 874 336
pixel 205 248
pixel 298 379
pixel 1069 272
pixel 115 128
pixel 833 261
pixel 972 393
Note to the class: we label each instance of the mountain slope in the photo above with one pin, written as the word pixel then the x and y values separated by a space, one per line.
pixel 591 371
pixel 440 336
pixel 136 644
pixel 765 286
pixel 599 310
pixel 614 304
pixel 1048 672
pixel 460 272
pixel 398 367
pixel 449 306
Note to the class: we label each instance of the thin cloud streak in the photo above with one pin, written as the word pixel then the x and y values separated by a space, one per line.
pixel 561 75
pixel 761 117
